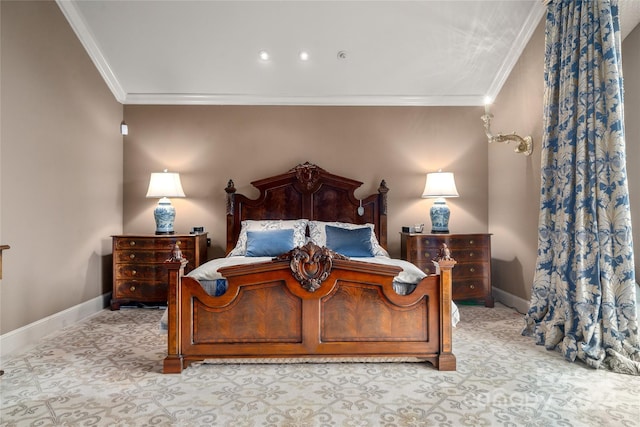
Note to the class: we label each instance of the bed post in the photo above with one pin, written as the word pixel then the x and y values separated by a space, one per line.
pixel 173 362
pixel 446 359
pixel 382 192
pixel 231 221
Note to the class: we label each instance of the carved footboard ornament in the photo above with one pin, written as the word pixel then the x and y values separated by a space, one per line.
pixel 310 264
pixel 176 256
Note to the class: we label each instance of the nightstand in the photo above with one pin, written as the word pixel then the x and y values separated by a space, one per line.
pixel 472 273
pixel 139 274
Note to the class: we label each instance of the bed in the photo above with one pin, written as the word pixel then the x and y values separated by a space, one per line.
pixel 308 278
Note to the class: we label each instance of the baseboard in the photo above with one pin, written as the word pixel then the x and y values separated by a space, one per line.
pixel 510 300
pixel 28 335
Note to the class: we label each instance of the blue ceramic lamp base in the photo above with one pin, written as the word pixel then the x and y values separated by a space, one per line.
pixel 440 216
pixel 164 214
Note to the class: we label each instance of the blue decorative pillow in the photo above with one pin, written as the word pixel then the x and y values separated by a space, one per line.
pixel 318 234
pixel 299 227
pixel 356 242
pixel 269 243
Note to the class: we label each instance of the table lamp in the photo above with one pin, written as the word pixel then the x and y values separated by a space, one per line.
pixel 164 185
pixel 440 185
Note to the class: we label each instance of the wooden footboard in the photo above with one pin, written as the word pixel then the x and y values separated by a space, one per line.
pixel 273 310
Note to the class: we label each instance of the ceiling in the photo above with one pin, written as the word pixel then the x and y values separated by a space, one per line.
pixel 360 52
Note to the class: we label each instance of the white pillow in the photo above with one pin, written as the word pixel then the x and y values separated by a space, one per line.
pixel 299 227
pixel 318 234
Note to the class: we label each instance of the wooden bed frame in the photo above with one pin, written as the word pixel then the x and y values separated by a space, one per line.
pixel 309 304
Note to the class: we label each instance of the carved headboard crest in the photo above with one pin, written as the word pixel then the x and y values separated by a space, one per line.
pixel 307 175
pixel 311 264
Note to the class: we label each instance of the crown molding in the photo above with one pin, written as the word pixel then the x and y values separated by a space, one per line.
pixel 350 100
pixel 79 26
pixel 520 43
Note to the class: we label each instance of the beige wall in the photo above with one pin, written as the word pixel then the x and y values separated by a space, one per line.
pixel 61 170
pixel 210 144
pixel 514 179
pixel 631 70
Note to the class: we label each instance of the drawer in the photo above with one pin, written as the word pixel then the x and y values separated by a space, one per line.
pixel 461 270
pixel 146 243
pixel 459 254
pixel 470 255
pixel 433 242
pixel 428 253
pixel 471 241
pixel 468 288
pixel 426 266
pixel 471 269
pixel 140 290
pixel 141 256
pixel 141 272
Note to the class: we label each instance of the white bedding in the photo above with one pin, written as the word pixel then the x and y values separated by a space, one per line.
pixel 403 283
pixel 209 271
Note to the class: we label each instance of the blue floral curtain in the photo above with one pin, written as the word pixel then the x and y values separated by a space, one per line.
pixel 583 296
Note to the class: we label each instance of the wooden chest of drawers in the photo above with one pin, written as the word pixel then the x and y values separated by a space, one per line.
pixel 139 274
pixel 472 273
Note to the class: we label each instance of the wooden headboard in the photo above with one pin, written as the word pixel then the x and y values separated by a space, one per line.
pixel 307 191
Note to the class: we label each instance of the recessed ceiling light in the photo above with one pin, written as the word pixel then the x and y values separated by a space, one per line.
pixel 264 55
pixel 304 55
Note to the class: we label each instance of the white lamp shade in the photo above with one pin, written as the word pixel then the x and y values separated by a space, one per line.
pixel 440 184
pixel 165 184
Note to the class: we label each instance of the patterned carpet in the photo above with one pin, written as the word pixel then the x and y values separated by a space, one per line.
pixel 105 371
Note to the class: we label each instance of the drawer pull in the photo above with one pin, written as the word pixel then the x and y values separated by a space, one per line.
pixel 473 270
pixel 132 243
pixel 132 288
pixel 132 256
pixel 470 254
pixel 471 242
pixel 472 286
pixel 178 242
pixel 427 255
pixel 134 272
